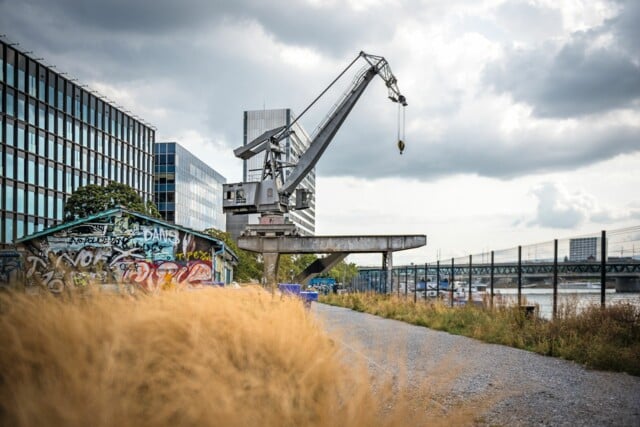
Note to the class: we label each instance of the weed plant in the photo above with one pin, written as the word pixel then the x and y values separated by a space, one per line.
pixel 599 338
pixel 211 357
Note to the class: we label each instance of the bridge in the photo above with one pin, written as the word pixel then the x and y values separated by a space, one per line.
pixel 626 272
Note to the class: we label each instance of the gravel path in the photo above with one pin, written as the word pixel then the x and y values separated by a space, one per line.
pixel 507 386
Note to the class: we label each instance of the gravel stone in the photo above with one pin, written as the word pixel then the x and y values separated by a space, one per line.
pixel 508 386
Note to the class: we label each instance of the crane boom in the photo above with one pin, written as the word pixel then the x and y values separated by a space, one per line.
pixel 271 195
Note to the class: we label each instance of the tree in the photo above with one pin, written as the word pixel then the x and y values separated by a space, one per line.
pixel 248 267
pixel 344 273
pixel 92 199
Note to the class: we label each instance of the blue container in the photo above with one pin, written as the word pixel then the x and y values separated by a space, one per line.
pixel 309 296
pixel 290 288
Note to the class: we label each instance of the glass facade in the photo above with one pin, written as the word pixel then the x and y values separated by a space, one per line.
pixel 187 191
pixel 57 136
pixel 255 124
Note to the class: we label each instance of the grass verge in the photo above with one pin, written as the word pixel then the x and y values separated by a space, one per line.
pixel 607 339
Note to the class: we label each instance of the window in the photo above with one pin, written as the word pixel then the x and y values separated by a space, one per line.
pixel 60 128
pixel 68 105
pixel 31 146
pixel 21 71
pixel 60 103
pixel 10 137
pixel 59 179
pixel 42 147
pixel 51 121
pixel 9 168
pixel 20 140
pixel 60 150
pixel 59 210
pixel 33 82
pixel 31 171
pixel 76 109
pixel 20 169
pixel 31 202
pixel 41 116
pixel 21 106
pixel 11 54
pixel 19 228
pixel 42 84
pixel 41 210
pixel 10 103
pixel 51 99
pixel 32 112
pixel 41 176
pixel 67 158
pixel 1 65
pixel 8 197
pixel 8 230
pixel 69 183
pixel 76 158
pixel 50 206
pixel 85 106
pixel 20 200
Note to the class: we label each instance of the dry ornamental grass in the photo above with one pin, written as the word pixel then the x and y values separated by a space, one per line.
pixel 212 357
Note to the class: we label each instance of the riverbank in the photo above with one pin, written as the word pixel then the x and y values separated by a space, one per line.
pixel 598 338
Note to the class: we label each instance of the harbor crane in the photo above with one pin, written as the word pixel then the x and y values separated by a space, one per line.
pixel 270 197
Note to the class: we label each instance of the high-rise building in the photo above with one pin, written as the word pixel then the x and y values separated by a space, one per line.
pixel 187 191
pixel 57 136
pixel 584 249
pixel 255 124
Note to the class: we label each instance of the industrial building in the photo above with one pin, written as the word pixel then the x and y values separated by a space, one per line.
pixel 186 190
pixel 57 135
pixel 255 123
pixel 584 249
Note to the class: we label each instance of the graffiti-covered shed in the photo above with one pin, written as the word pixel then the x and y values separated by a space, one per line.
pixel 119 246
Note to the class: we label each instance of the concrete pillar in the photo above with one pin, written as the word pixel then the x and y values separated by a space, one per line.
pixel 627 284
pixel 270 275
pixel 387 266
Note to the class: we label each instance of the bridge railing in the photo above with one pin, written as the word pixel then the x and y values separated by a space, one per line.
pixel 586 263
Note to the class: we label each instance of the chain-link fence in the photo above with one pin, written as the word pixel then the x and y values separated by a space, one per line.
pixel 549 275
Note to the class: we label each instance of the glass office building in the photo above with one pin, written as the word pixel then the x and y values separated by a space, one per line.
pixel 255 124
pixel 57 136
pixel 187 191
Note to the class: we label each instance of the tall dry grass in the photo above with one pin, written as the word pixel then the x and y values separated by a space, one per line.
pixel 212 357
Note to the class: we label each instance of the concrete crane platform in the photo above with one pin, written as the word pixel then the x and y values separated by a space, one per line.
pixel 337 246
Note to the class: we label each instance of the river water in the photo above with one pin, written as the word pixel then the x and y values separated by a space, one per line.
pixel 580 298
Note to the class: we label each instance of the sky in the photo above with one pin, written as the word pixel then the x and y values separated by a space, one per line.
pixel 523 122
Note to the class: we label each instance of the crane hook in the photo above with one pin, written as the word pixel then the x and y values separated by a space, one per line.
pixel 401 146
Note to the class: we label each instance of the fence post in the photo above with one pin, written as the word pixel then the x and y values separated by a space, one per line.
pixel 406 281
pixel 438 279
pixel 426 275
pixel 603 268
pixel 451 281
pixel 519 276
pixel 415 283
pixel 555 278
pixel 491 279
pixel 470 300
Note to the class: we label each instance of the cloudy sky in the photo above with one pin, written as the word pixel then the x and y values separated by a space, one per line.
pixel 523 122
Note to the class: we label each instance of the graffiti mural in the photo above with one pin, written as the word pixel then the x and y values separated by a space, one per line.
pixel 10 267
pixel 119 249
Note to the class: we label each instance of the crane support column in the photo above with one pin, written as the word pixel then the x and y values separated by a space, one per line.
pixel 271 261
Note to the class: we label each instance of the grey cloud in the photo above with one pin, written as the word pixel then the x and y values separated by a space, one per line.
pixel 574 82
pixel 472 149
pixel 577 78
